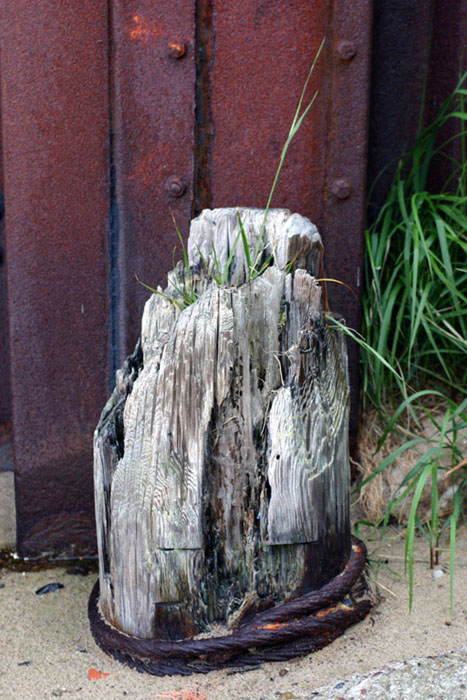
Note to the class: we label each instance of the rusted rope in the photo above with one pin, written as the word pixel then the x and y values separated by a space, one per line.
pixel 298 627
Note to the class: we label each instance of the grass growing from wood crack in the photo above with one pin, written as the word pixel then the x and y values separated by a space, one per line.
pixel 184 292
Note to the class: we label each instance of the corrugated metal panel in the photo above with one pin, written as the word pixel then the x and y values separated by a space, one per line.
pixel 55 126
pixel 153 96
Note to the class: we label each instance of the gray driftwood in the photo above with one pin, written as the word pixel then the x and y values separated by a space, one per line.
pixel 221 459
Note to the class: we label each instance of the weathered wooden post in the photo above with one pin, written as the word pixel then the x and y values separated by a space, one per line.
pixel 221 459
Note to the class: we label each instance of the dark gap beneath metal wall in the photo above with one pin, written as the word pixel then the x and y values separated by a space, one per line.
pixel 402 31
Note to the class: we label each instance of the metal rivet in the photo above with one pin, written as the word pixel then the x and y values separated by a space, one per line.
pixel 341 188
pixel 346 50
pixel 175 186
pixel 176 49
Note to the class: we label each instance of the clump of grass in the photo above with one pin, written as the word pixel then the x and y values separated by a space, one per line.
pixel 414 330
pixel 415 300
pixel 184 292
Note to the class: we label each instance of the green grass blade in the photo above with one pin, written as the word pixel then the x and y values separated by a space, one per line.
pixel 246 248
pixel 218 273
pixel 409 542
pixel 173 300
pixel 308 78
pixel 387 461
pixel 180 238
pixel 336 324
pixel 405 488
pixel 453 520
pixel 421 304
pixel 403 407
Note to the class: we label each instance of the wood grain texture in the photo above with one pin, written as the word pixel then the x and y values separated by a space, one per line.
pixel 221 465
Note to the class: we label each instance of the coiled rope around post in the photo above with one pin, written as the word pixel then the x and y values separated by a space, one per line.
pixel 298 627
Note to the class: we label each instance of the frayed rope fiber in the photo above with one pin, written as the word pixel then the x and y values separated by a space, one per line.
pixel 292 629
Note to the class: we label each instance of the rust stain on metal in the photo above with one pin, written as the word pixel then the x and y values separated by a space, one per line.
pixel 176 49
pixel 63 535
pixel 142 28
pixel 327 611
pixel 143 171
pixel 5 393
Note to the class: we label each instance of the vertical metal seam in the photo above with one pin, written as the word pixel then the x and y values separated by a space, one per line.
pixel 329 119
pixel 337 162
pixel 113 232
pixel 204 127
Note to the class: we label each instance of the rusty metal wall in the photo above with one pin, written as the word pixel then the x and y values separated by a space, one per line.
pixel 114 117
pixel 55 165
pixel 239 75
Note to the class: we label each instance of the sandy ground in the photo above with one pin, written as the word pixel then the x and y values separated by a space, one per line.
pixel 46 649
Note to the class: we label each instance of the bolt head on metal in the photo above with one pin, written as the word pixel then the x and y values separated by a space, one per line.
pixel 341 188
pixel 347 50
pixel 176 49
pixel 175 186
